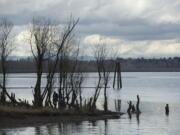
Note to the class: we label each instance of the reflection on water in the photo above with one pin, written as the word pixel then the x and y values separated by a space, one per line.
pixel 153 121
pixel 137 118
pixel 155 90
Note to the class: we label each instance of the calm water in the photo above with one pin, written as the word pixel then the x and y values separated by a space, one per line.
pixel 155 90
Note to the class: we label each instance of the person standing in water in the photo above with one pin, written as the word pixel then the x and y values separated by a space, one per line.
pixel 167 109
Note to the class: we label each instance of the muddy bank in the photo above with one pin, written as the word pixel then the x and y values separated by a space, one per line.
pixel 22 117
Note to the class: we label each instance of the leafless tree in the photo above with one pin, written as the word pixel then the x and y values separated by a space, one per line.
pixel 98 57
pixel 41 37
pixel 5 50
pixel 68 78
pixel 63 79
pixel 50 76
pixel 81 79
pixel 60 42
pixel 76 80
pixel 102 53
pixel 46 45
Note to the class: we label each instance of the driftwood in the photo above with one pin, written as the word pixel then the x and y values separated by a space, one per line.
pixel 131 109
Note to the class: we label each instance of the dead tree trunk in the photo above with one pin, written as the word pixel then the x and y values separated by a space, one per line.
pixel 105 100
pixel 5 50
pixel 97 92
pixel 137 105
pixel 41 37
pixel 37 90
pixel 106 80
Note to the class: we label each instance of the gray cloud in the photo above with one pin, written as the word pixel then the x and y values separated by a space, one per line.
pixel 141 31
pixel 130 20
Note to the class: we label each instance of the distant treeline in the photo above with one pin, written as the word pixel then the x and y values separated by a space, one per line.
pixel 128 65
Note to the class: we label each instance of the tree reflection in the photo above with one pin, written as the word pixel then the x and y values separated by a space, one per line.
pixel 50 129
pixel 105 127
pixel 93 122
pixel 130 115
pixel 38 131
pixel 69 128
pixel 137 118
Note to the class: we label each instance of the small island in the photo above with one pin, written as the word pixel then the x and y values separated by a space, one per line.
pixel 55 53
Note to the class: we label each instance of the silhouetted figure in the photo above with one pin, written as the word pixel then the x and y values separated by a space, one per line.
pixel 130 107
pixel 137 105
pixel 167 109
pixel 55 99
pixel 62 104
pixel 133 109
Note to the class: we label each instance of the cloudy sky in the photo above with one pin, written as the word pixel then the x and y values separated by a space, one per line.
pixel 135 28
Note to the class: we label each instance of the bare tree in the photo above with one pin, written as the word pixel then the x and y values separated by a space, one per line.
pixel 63 79
pixel 101 55
pixel 69 80
pixel 98 57
pixel 5 50
pixel 76 80
pixel 81 79
pixel 46 45
pixel 50 76
pixel 41 37
pixel 60 43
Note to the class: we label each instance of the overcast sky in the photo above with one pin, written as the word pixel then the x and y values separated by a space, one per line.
pixel 136 28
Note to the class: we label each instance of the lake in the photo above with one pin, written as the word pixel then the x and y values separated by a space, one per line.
pixel 154 88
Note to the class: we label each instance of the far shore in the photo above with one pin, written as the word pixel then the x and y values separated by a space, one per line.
pixel 125 71
pixel 12 117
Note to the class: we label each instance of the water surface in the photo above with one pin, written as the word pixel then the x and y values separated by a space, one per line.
pixel 155 90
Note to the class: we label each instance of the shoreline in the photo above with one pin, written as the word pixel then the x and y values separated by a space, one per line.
pixel 14 117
